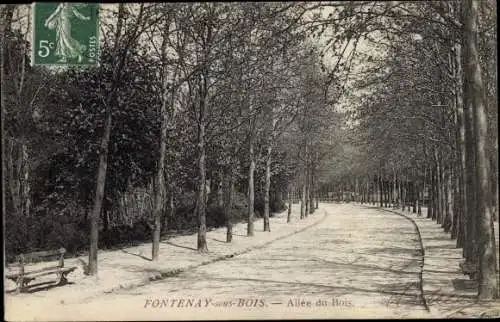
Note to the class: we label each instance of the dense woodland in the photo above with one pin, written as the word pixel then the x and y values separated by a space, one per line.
pixel 201 115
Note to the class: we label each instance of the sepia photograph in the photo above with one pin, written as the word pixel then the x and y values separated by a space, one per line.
pixel 249 160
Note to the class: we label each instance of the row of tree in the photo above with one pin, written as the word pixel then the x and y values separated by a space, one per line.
pixel 189 102
pixel 425 127
pixel 233 97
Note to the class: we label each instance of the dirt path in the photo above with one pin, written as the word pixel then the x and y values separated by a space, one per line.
pixel 448 292
pixel 357 262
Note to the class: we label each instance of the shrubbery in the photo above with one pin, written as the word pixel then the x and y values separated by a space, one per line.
pixel 46 231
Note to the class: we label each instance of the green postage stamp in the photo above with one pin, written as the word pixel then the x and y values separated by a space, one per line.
pixel 65 33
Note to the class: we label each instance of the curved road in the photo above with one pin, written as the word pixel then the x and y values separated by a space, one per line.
pixel 357 262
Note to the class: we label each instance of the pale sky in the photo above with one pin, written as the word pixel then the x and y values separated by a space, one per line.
pixel 362 47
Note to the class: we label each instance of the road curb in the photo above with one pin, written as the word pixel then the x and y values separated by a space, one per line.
pixel 422 263
pixel 161 275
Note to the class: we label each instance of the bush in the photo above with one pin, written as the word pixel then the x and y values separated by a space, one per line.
pixel 49 230
pixel 215 216
pixel 275 206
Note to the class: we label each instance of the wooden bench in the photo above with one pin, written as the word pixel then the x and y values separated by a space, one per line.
pixel 24 275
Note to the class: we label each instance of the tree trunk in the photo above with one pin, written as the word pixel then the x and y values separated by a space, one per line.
pixel 25 190
pixel 306 211
pixel 160 174
pixel 462 233
pixel 251 189
pixel 228 204
pixel 424 189
pixel 413 191
pixel 488 283
pixel 394 189
pixel 220 192
pixel 439 186
pixel 118 62
pixel 7 13
pixel 171 204
pixel 11 177
pixel 404 192
pixel 267 188
pixel 303 201
pixel 202 172
pixel 448 221
pixel 99 195
pixel 290 197
pixel 380 188
pixel 451 185
pixel 311 193
pixel 430 209
pixel 471 242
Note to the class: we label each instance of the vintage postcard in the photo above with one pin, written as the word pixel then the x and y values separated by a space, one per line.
pixel 250 160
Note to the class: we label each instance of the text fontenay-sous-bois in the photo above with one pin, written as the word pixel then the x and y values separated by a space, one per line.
pixel 157 303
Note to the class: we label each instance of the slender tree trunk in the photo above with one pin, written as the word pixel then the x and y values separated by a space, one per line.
pixel 228 204
pixel 267 188
pixel 404 192
pixel 448 223
pixel 303 201
pixel 488 279
pixel 307 198
pixel 171 203
pixel 290 202
pixel 220 191
pixel 317 201
pixel 251 189
pixel 394 189
pixel 14 192
pixel 431 208
pixel 452 199
pixel 160 174
pixel 202 171
pixel 25 191
pixel 99 195
pixel 462 233
pixel 202 189
pixel 380 188
pixel 385 187
pixel 439 185
pixel 388 193
pixel 414 192
pixel 424 188
pixel 435 195
pixel 7 13
pixel 118 62
pixel 311 193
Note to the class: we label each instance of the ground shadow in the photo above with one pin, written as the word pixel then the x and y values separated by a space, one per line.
pixel 316 287
pixel 443 247
pixel 218 240
pixel 370 268
pixel 464 285
pixel 434 271
pixel 180 246
pixel 38 287
pixel 138 255
pixel 403 293
pixel 395 251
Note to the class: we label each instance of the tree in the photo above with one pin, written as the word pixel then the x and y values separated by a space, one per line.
pixel 123 40
pixel 488 283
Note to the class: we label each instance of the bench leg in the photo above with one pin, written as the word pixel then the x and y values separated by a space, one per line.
pixel 20 284
pixel 62 278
